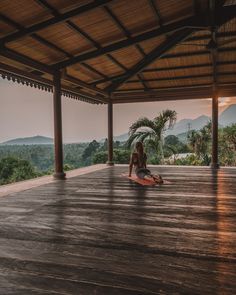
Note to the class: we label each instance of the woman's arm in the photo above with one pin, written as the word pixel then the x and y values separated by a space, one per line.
pixel 145 160
pixel 130 165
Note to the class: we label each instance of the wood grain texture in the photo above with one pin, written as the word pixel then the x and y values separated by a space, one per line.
pixel 100 233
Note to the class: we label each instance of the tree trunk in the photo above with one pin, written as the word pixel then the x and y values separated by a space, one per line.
pixel 161 149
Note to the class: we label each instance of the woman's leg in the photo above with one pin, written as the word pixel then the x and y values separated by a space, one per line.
pixel 157 178
pixel 148 177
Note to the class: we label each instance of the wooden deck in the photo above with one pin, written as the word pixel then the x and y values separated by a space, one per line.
pixel 102 234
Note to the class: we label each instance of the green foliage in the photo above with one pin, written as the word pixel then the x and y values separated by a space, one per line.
pixel 189 160
pixel 200 143
pixel 152 131
pixel 100 157
pixel 227 146
pixel 29 161
pixel 89 151
pixel 13 169
pixel 172 146
pixel 120 156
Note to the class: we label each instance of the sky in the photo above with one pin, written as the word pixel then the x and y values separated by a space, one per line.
pixel 26 111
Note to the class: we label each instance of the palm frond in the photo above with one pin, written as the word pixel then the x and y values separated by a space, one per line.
pixel 165 120
pixel 152 143
pixel 139 136
pixel 141 123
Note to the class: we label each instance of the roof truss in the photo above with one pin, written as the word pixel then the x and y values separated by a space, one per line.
pixel 158 52
pixel 55 20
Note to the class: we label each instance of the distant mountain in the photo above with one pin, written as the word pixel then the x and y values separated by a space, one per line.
pixel 228 116
pixel 29 141
pixel 188 124
pixel 122 137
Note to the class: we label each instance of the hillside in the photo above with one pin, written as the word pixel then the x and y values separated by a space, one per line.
pixel 228 116
pixel 188 124
pixel 29 140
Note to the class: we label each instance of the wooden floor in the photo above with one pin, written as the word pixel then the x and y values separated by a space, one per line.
pixel 102 234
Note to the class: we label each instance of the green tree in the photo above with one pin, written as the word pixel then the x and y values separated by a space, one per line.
pixel 120 156
pixel 227 145
pixel 199 141
pixel 152 131
pixel 89 151
pixel 13 169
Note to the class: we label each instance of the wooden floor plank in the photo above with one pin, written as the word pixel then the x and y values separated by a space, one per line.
pixel 101 233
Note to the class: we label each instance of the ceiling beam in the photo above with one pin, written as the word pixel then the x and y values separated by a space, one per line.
pixel 231 73
pixel 172 68
pixel 158 52
pixel 82 84
pixel 55 20
pixel 35 36
pixel 22 59
pixel 175 26
pixel 175 93
pixel 197 52
pixel 47 83
pixel 118 23
pixel 225 14
pixel 76 29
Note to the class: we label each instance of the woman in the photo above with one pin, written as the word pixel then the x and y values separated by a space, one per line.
pixel 138 159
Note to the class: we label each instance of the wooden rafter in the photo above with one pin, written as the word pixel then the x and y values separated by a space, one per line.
pixel 82 84
pixel 20 58
pixel 46 84
pixel 55 20
pixel 171 68
pixel 127 34
pixel 78 30
pixel 152 56
pixel 175 26
pixel 35 36
pixel 174 93
pixel 117 21
pixel 230 73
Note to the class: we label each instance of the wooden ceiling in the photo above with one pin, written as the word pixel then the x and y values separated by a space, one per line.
pixel 122 50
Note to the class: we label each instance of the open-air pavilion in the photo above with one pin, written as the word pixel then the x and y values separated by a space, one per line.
pixel 98 233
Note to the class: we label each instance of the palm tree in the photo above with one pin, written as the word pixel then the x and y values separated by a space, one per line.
pixel 152 131
pixel 199 141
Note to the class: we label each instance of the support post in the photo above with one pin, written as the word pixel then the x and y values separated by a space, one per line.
pixel 58 148
pixel 214 160
pixel 110 133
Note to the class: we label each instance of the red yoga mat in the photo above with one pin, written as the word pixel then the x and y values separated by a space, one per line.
pixel 140 181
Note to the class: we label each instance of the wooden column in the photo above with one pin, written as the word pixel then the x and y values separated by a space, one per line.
pixel 214 160
pixel 110 134
pixel 58 145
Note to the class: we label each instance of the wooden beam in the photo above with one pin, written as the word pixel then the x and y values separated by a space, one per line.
pixel 58 144
pixel 41 82
pixel 117 21
pixel 226 14
pixel 152 56
pixel 232 73
pixel 82 84
pixel 78 30
pixel 197 53
pixel 215 110
pixel 175 26
pixel 156 12
pixel 174 94
pixel 172 68
pixel 22 59
pixel 55 20
pixel 90 68
pixel 110 133
pixel 208 36
pixel 35 36
pixel 214 7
